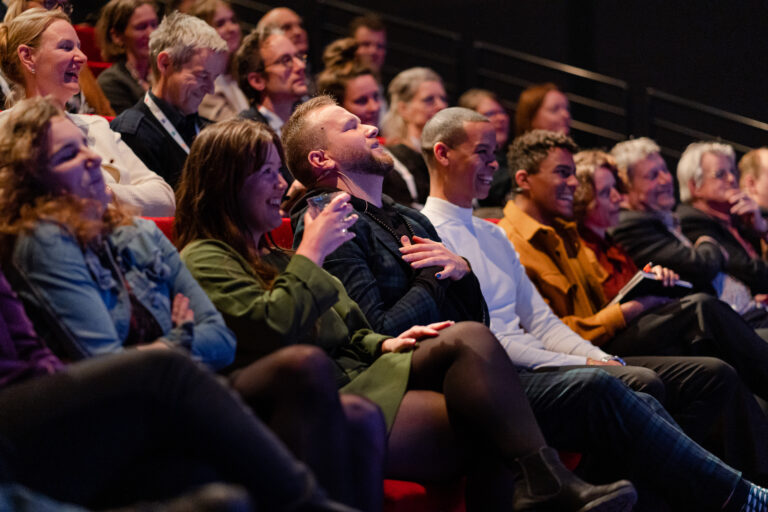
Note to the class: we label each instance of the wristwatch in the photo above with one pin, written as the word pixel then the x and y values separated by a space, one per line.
pixel 608 359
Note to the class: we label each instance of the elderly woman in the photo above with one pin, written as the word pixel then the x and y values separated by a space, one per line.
pixel 39 52
pixel 123 30
pixel 542 107
pixel 227 100
pixel 102 282
pixel 416 94
pixel 486 102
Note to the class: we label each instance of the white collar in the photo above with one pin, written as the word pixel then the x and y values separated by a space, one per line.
pixel 449 210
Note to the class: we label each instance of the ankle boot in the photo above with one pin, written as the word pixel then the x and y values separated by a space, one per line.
pixel 543 483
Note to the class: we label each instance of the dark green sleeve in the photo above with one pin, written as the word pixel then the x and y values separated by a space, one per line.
pixel 270 318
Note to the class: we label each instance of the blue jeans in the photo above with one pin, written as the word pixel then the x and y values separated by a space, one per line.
pixel 587 410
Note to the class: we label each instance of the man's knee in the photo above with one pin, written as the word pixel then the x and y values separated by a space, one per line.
pixel 643 380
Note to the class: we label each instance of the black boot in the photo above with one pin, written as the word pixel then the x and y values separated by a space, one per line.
pixel 543 483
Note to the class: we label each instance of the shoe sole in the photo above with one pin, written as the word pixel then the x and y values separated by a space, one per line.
pixel 621 500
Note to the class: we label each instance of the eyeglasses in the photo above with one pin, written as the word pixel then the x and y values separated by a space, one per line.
pixel 287 61
pixel 64 5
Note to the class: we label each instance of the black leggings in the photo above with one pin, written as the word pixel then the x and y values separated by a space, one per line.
pixel 118 429
pixel 343 440
pixel 463 393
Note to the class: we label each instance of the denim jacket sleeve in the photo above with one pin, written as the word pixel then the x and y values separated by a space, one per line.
pixel 213 342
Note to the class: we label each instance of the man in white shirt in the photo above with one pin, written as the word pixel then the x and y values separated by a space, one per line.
pixel 458 146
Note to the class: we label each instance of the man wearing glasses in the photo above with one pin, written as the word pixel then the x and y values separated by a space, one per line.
pixel 272 73
pixel 186 55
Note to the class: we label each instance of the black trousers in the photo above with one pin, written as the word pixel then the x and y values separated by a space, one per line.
pixel 143 425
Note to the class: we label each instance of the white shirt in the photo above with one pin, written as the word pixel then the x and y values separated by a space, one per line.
pixel 273 120
pixel 532 335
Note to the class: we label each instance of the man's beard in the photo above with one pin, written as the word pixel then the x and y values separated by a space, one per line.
pixel 377 165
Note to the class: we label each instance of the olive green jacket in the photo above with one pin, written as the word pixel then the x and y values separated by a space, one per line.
pixel 305 304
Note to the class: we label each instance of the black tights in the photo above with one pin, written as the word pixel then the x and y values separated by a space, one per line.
pixel 465 392
pixel 110 430
pixel 341 440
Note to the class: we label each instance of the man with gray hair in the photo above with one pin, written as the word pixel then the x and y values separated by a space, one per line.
pixel 651 231
pixel 714 206
pixel 186 55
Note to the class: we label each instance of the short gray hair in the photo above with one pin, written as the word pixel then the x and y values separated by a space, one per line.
pixel 689 166
pixel 181 36
pixel 630 152
pixel 447 126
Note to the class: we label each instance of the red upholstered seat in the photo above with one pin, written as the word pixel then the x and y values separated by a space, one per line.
pixel 97 66
pixel 165 224
pixel 283 235
pixel 88 43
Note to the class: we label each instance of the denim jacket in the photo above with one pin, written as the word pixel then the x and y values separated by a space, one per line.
pixel 91 302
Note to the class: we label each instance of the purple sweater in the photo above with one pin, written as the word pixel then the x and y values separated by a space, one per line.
pixel 22 353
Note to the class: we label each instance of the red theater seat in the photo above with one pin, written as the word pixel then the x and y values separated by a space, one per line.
pixel 88 43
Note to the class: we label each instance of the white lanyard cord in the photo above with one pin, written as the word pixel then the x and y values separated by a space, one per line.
pixel 172 131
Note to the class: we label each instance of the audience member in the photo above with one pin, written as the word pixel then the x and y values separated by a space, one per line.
pixel 713 205
pixel 111 282
pixel 458 148
pixel 542 107
pixel 487 103
pixel 186 56
pixel 596 206
pixel 370 258
pixel 650 230
pixel 290 23
pixel 87 436
pixel 123 32
pixel 227 100
pixel 370 34
pixel 90 99
pixel 39 51
pixel 178 5
pixel 539 224
pixel 416 94
pixel 271 71
pixel 753 168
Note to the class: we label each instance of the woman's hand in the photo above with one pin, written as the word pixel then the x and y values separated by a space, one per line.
pixel 180 311
pixel 407 340
pixel 326 232
pixel 667 276
pixel 427 253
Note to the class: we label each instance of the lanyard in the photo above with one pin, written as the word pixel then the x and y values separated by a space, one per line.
pixel 172 131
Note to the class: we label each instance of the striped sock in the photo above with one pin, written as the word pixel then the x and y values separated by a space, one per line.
pixel 757 500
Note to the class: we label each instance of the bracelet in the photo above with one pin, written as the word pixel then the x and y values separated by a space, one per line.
pixel 608 359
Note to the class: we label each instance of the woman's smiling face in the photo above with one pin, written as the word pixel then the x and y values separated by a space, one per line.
pixel 56 63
